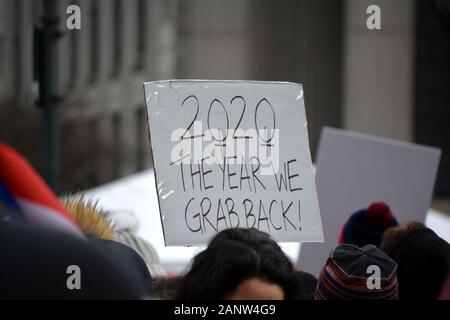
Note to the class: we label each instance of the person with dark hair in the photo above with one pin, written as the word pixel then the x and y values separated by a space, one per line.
pixel 166 288
pixel 366 226
pixel 241 264
pixel 392 235
pixel 423 260
pixel 309 284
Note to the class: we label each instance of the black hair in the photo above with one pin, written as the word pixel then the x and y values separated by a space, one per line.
pixel 233 256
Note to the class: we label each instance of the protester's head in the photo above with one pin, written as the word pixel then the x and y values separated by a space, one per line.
pixel 366 226
pixel 42 243
pixel 44 264
pixel 241 264
pixel 392 235
pixel 309 284
pixel 354 273
pixel 166 288
pixel 423 260
pixel 99 230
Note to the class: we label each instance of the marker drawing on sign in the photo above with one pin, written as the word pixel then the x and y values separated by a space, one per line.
pixel 232 154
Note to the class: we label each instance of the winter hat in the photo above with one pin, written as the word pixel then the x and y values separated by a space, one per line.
pixel 423 261
pixel 125 225
pixel 27 198
pixel 347 275
pixel 145 249
pixel 367 226
pixel 118 226
pixel 135 266
pixel 38 263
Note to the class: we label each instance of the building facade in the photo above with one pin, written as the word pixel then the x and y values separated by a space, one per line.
pixel 372 81
pixel 101 113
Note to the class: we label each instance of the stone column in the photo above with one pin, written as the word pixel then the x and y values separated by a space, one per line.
pixel 379 69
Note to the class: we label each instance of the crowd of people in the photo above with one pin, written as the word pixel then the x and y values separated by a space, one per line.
pixel 47 240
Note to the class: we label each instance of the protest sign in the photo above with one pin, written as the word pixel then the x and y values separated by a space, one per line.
pixel 232 154
pixel 353 170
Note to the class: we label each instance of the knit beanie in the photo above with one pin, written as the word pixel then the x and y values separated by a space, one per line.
pixel 367 226
pixel 423 260
pixel 349 271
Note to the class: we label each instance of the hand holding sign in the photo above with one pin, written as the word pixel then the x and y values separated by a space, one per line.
pixel 232 154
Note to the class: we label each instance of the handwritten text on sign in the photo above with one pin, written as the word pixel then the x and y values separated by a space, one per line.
pixel 232 154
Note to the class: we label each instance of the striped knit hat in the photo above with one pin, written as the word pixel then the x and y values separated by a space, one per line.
pixel 348 275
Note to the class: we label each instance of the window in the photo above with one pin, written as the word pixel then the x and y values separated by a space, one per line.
pixel 118 145
pixel 142 135
pixel 73 53
pixel 117 37
pixel 141 32
pixel 73 46
pixel 95 40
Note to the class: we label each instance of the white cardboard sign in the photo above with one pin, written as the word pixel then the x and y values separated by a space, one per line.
pixel 353 170
pixel 232 154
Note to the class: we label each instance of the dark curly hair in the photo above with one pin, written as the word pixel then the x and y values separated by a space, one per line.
pixel 233 256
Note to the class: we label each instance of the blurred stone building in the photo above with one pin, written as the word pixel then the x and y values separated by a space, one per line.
pixel 102 117
pixel 393 82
